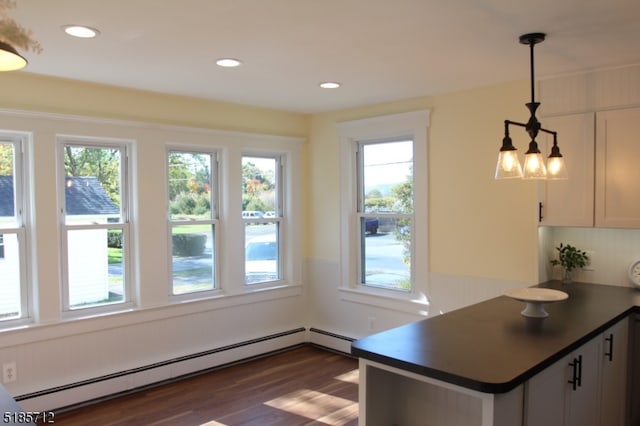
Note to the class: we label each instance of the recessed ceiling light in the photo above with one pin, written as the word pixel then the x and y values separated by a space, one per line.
pixel 80 31
pixel 228 62
pixel 330 85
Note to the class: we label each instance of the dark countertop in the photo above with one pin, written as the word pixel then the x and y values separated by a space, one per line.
pixel 490 347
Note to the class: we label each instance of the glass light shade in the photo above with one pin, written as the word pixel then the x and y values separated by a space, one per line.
pixel 534 166
pixel 556 168
pixel 508 166
pixel 10 60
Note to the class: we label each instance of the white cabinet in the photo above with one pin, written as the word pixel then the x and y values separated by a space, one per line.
pixel 613 372
pixel 570 202
pixel 603 187
pixel 585 388
pixel 566 393
pixel 617 172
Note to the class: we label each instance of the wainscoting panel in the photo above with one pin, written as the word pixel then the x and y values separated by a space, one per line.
pixel 74 394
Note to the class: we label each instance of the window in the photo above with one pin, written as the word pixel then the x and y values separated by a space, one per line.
pixel 13 228
pixel 94 190
pixel 385 212
pixel 384 206
pixel 193 218
pixel 262 215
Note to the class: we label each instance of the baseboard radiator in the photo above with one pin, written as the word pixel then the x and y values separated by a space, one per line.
pixel 75 395
pixel 330 340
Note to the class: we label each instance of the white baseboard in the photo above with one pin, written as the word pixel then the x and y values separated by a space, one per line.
pixel 330 340
pixel 75 394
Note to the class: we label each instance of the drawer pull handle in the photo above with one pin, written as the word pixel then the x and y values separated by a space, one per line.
pixel 576 380
pixel 609 353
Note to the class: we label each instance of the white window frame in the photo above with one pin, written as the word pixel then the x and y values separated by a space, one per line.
pixel 126 147
pixel 281 221
pixel 21 143
pixel 214 221
pixel 404 126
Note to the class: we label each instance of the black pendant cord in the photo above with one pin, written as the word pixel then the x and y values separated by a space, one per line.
pixel 533 125
pixel 531 45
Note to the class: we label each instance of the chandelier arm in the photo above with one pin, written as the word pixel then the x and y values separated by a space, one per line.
pixel 515 123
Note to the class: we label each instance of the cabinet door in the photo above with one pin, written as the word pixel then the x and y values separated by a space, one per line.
pixel 545 396
pixel 614 374
pixel 617 171
pixel 567 392
pixel 582 401
pixel 570 202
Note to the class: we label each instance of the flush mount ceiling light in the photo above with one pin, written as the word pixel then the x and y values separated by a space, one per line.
pixel 10 59
pixel 12 36
pixel 228 62
pixel 80 31
pixel 330 85
pixel 534 168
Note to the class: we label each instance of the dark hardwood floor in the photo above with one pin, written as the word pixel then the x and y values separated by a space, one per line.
pixel 302 386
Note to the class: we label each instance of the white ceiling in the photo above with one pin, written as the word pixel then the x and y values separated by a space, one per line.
pixel 381 50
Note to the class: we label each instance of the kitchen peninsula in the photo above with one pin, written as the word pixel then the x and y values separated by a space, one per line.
pixel 486 364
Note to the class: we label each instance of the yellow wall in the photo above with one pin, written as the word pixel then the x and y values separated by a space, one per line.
pixel 478 227
pixel 26 91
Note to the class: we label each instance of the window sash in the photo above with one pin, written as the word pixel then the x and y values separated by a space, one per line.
pixel 14 291
pixel 72 286
pixel 198 277
pixel 14 259
pixel 391 275
pixel 265 231
pixel 193 265
pixel 212 183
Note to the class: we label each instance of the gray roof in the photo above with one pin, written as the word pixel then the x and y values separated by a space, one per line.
pixel 83 196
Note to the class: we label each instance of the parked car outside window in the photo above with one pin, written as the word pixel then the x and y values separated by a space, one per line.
pixel 261 259
pixel 251 214
pixel 371 225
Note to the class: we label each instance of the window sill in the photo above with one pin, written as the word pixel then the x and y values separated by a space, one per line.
pixel 402 302
pixel 85 322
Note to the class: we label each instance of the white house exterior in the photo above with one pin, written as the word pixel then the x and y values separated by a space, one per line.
pixel 85 202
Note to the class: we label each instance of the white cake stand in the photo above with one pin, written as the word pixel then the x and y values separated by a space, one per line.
pixel 535 298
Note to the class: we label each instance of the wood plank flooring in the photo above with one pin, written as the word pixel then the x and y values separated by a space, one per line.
pixel 302 386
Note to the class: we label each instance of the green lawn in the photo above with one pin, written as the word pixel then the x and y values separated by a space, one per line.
pixel 115 255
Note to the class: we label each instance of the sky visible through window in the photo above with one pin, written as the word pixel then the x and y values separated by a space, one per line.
pixel 387 163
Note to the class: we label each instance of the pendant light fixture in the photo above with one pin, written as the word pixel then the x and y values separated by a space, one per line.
pixel 10 59
pixel 534 166
pixel 14 36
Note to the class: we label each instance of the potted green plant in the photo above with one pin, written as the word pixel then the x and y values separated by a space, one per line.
pixel 570 258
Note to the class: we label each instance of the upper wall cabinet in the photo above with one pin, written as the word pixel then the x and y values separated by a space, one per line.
pixel 597 117
pixel 617 184
pixel 601 153
pixel 570 202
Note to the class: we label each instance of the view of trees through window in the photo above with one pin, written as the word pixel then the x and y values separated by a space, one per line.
pixel 386 213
